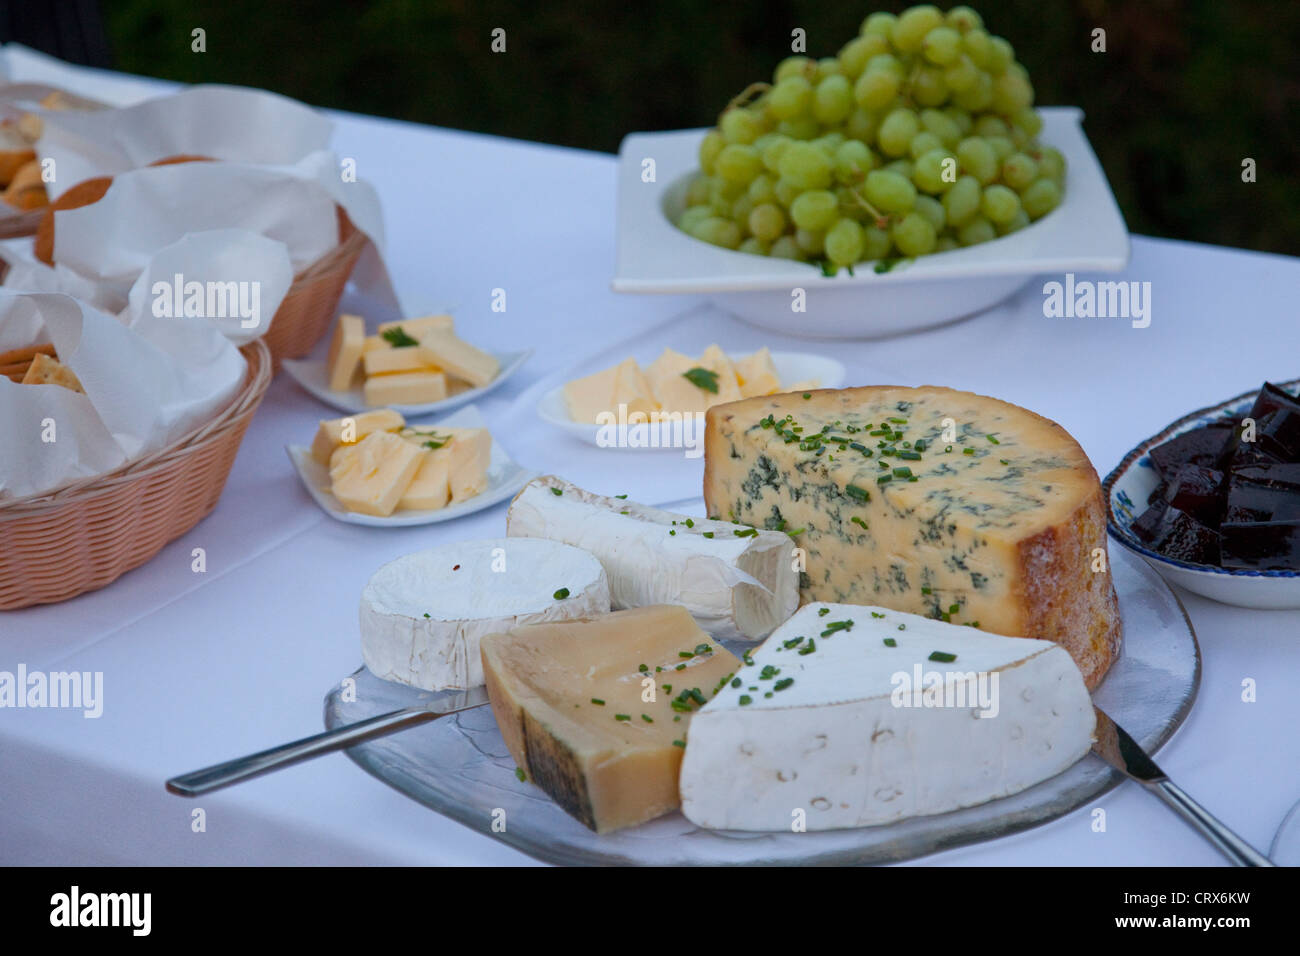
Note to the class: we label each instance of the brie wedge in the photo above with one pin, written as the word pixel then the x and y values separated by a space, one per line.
pixel 736 582
pixel 423 615
pixel 855 716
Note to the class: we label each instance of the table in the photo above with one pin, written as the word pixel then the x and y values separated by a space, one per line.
pixel 200 667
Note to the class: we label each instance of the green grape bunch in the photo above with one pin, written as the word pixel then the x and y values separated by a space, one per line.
pixel 919 137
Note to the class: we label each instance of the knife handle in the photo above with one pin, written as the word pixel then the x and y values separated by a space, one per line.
pixel 1232 846
pixel 254 765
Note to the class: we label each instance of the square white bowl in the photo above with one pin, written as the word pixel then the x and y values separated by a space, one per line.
pixel 1086 233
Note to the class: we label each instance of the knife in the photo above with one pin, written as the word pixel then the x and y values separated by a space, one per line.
pixel 1117 748
pixel 222 775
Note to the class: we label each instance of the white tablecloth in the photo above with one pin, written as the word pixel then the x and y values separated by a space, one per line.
pixel 199 667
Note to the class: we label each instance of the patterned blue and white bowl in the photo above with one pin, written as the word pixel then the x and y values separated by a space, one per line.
pixel 1127 489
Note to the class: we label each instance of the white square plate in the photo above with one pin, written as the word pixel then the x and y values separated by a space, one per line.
pixel 313 376
pixel 1086 233
pixel 505 479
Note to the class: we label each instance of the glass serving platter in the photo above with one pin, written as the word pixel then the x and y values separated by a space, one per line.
pixel 459 765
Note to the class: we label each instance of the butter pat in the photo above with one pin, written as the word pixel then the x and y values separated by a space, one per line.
pixel 587 397
pixel 757 375
pixel 406 359
pixel 371 476
pixel 468 452
pixel 676 393
pixel 457 357
pixel 405 388
pixel 416 328
pixel 350 429
pixel 558 692
pixel 346 348
pixel 429 489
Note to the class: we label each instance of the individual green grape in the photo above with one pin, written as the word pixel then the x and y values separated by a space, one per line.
pixel 963 19
pixel 1019 170
pixel 815 210
pixel 877 88
pixel 976 156
pixel 962 200
pixel 740 210
pixel 844 242
pixel 999 204
pixel 903 167
pixel 912 26
pixel 739 125
pixel 790 98
pixel 978 46
pixel 922 143
pixel 1029 121
pixel 795 66
pixel 786 192
pixel 978 97
pixel 888 191
pixel 1001 55
pixel 941 46
pixel 1051 163
pixel 928 87
pixel 855 54
pixel 862 124
pixel 710 146
pixel 718 231
pixel 692 217
pixel 961 74
pixel 720 206
pixel 1002 147
pixel 897 130
pixel 1021 140
pixel 767 221
pixel 929 170
pixel 881 24
pixel 990 125
pixel 933 210
pixel 976 231
pixel 806 166
pixel 914 235
pixel 960 117
pixel 1014 224
pixel 829 142
pixel 754 246
pixel 853 160
pixel 827 66
pixel 725 190
pixel 771 153
pixel 946 244
pixel 738 164
pixel 942 126
pixel 697 193
pixel 812 243
pixel 876 243
pixel 1042 196
pixel 803 128
pixel 786 248
pixel 761 189
pixel 1012 92
pixel 847 197
pixel 833 100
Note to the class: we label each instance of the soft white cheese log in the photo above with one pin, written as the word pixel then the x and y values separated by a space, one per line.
pixel 837 747
pixel 424 614
pixel 734 587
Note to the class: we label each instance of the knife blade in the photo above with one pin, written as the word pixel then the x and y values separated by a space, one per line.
pixel 1114 745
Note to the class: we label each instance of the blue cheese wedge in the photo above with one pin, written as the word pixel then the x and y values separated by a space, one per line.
pixel 737 582
pixel 851 716
pixel 424 614
pixel 928 500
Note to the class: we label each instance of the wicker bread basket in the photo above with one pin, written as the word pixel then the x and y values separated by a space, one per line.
pixel 88 533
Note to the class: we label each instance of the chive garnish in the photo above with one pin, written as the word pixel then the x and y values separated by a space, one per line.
pixel 678 743
pixel 745 699
pixel 890 642
pixel 942 657
pixel 598 702
pixel 398 338
pixel 519 772
pixel 622 716
pixel 561 594
pixel 853 491
pixel 557 492
pixel 703 378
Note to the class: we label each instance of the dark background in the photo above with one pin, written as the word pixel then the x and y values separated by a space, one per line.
pixel 1185 91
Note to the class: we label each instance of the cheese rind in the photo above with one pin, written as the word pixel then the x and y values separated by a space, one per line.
pixel 346 348
pixel 331 432
pixel 558 692
pixel 735 586
pixel 867 733
pixel 447 351
pixel 423 615
pixel 1002 526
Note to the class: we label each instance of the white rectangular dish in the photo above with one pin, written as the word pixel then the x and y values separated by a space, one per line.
pixel 1086 233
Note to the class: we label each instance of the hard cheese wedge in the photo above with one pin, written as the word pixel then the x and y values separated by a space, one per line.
pixel 1004 525
pixel 345 351
pixel 570 701
pixel 447 351
pixel 424 614
pixel 351 429
pixel 845 719
pixel 735 581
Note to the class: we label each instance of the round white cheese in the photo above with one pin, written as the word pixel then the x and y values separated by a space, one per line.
pixel 423 615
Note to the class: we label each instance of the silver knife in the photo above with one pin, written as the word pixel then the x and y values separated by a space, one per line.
pixel 1122 752
pixel 254 765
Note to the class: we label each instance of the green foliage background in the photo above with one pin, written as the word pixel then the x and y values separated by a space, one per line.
pixel 1185 90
